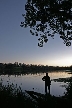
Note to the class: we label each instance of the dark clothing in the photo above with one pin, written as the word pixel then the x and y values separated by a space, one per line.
pixel 47 80
pixel 47 83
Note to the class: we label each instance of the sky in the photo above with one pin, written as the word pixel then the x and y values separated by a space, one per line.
pixel 18 45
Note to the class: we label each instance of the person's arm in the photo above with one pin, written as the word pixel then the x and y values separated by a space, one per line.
pixel 50 81
pixel 43 78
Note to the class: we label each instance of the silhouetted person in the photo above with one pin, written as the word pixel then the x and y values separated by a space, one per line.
pixel 47 82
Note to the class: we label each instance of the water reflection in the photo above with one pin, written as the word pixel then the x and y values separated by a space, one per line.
pixel 34 82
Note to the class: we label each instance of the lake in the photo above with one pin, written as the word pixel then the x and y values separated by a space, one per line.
pixel 33 82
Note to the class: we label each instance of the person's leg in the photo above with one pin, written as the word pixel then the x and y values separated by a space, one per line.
pixel 49 88
pixel 45 88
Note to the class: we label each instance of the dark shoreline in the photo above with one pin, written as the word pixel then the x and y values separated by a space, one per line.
pixel 31 99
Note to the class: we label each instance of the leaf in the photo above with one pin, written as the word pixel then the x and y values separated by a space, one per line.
pixel 68 44
pixel 45 40
pixel 68 32
pixel 70 38
pixel 61 36
pixel 39 39
pixel 49 34
pixel 36 34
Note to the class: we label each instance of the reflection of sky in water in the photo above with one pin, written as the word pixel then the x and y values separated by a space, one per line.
pixel 28 82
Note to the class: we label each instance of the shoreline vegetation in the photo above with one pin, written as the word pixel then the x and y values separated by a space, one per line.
pixel 19 68
pixel 13 97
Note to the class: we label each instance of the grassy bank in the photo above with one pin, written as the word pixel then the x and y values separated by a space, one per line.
pixel 13 97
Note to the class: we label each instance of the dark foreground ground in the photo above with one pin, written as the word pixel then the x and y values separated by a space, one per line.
pixel 11 97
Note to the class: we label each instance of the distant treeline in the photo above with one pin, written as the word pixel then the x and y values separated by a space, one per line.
pixel 24 68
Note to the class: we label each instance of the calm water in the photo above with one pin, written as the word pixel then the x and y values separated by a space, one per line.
pixel 34 82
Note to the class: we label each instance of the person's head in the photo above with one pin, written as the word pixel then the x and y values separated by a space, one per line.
pixel 46 74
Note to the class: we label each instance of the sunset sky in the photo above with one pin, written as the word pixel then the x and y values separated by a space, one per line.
pixel 18 45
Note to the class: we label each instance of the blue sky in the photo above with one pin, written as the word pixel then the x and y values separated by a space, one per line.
pixel 18 45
